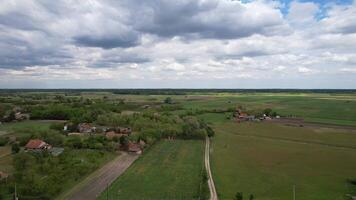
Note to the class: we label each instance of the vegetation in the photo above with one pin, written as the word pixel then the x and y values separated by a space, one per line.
pixel 168 170
pixel 254 158
pixel 268 159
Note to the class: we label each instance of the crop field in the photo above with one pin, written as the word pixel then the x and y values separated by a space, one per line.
pixel 268 160
pixel 321 108
pixel 169 170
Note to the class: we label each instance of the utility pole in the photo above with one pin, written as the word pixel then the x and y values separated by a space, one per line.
pixel 293 192
pixel 16 198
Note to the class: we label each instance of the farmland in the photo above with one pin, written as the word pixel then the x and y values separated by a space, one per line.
pixel 267 160
pixel 169 170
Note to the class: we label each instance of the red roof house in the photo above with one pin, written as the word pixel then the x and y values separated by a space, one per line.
pixel 37 144
pixel 134 147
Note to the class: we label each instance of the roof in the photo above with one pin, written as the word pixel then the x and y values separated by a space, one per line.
pixel 35 144
pixel 56 151
pixel 85 125
pixel 133 147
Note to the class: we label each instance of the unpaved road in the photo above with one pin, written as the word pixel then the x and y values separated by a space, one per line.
pixel 92 186
pixel 213 194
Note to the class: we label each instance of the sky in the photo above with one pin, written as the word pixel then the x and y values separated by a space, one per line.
pixel 178 44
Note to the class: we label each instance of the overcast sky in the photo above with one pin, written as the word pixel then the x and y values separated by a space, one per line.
pixel 177 44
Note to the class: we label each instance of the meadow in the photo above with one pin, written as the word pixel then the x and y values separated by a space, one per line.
pixel 313 107
pixel 168 170
pixel 268 160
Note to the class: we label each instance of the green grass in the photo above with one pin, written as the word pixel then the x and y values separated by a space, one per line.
pixel 267 160
pixel 24 127
pixel 168 170
pixel 324 108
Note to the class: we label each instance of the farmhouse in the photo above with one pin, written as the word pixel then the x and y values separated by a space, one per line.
pixel 134 148
pixel 242 116
pixel 37 145
pixel 86 128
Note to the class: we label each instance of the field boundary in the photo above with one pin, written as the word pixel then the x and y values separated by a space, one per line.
pixel 213 194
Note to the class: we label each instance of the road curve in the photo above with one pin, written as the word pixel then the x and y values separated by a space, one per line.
pixel 213 194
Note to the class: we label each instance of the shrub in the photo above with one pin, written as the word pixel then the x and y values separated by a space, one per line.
pixel 15 148
pixel 3 141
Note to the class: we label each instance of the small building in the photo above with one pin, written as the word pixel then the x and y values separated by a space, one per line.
pixel 86 128
pixel 56 151
pixel 21 116
pixel 37 145
pixel 134 148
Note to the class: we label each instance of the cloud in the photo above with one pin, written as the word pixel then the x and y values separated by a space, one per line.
pixel 302 13
pixel 209 19
pixel 189 42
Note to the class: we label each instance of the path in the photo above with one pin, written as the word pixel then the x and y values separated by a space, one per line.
pixel 94 185
pixel 213 194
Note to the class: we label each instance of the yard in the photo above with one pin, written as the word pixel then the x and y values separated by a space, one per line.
pixel 267 160
pixel 169 170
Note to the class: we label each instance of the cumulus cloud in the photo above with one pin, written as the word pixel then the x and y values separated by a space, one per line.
pixel 188 42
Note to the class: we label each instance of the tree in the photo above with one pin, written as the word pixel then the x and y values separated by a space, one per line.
pixel 124 140
pixel 168 100
pixel 251 197
pixel 210 131
pixel 274 114
pixel 267 111
pixel 238 196
pixel 15 148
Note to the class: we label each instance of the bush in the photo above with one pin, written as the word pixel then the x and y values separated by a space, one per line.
pixel 57 126
pixel 15 148
pixel 3 141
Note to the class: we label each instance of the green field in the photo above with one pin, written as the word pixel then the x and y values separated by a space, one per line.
pixel 24 128
pixel 169 170
pixel 268 159
pixel 321 108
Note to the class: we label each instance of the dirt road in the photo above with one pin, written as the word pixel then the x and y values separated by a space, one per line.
pixel 91 187
pixel 213 194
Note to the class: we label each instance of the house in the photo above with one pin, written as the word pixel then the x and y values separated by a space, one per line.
pixel 37 145
pixel 242 116
pixel 86 128
pixel 3 175
pixel 20 116
pixel 134 148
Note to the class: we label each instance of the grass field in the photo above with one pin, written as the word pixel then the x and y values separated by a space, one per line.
pixel 321 108
pixel 169 170
pixel 24 127
pixel 268 159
